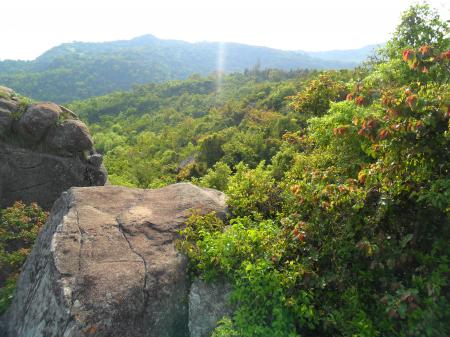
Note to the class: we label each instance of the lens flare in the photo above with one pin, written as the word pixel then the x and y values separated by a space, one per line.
pixel 221 57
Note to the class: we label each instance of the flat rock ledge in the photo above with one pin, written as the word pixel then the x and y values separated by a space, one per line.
pixel 105 265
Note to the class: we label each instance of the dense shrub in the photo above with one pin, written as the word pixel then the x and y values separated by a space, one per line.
pixel 354 238
pixel 315 99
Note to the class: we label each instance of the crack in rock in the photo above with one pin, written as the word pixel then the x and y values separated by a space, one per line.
pixel 123 230
pixel 81 239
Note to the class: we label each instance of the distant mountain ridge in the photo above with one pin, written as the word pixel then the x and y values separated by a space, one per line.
pixel 80 70
pixel 348 55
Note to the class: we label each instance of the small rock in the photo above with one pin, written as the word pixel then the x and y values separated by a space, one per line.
pixel 70 136
pixel 35 122
pixel 96 159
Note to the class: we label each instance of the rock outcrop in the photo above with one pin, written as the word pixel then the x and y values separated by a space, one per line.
pixel 44 150
pixel 105 265
pixel 36 120
pixel 208 303
pixel 8 105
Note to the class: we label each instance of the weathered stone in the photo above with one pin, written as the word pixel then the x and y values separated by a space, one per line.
pixel 71 136
pixel 7 108
pixel 6 121
pixel 208 303
pixel 38 177
pixel 9 104
pixel 96 159
pixel 105 265
pixel 36 121
pixel 6 92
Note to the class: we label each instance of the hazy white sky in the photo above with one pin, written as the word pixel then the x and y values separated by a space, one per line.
pixel 30 27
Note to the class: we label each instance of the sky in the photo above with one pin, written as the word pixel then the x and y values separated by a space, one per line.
pixel 30 27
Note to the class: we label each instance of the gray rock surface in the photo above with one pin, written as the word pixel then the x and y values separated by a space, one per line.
pixel 8 105
pixel 6 120
pixel 96 159
pixel 70 136
pixel 39 177
pixel 40 157
pixel 37 120
pixel 208 303
pixel 105 265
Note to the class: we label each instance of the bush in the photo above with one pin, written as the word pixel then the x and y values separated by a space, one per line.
pixel 19 227
pixel 216 177
pixel 253 191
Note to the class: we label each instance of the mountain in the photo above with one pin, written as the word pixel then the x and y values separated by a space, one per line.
pixel 79 70
pixel 347 55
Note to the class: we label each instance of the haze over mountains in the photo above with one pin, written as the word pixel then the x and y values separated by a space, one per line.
pixel 79 70
pixel 346 55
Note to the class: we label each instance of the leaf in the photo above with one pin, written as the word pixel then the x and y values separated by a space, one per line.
pixel 405 240
pixel 402 310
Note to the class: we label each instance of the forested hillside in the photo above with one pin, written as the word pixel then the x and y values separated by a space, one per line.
pixel 163 133
pixel 338 184
pixel 80 70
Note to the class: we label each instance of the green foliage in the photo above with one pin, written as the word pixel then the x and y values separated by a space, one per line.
pixel 347 231
pixel 19 226
pixel 225 329
pixel 217 177
pixel 315 99
pixel 211 149
pixel 253 191
pixel 24 103
pixel 420 25
pixel 176 131
pixel 249 253
pixel 197 227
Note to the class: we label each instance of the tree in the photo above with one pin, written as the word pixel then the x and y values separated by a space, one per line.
pixel 315 99
pixel 420 25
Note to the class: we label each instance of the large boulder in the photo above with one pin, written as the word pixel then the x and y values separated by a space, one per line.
pixel 105 265
pixel 70 136
pixel 44 150
pixel 37 120
pixel 40 177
